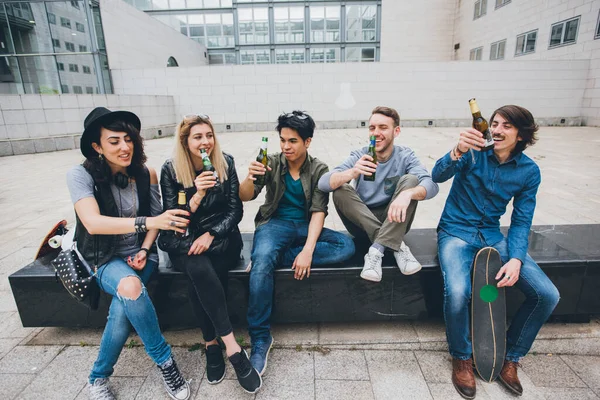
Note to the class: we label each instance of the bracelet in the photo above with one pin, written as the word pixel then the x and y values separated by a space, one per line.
pixel 144 249
pixel 457 152
pixel 140 225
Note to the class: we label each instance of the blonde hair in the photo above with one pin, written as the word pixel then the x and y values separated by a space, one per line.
pixel 182 161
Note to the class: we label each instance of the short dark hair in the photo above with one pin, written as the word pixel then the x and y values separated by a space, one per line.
pixel 521 119
pixel 298 121
pixel 99 169
pixel 388 112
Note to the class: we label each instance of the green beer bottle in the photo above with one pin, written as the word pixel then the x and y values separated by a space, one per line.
pixel 207 166
pixel 481 125
pixel 262 158
pixel 373 154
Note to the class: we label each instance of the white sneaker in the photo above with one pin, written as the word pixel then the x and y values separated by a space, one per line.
pixel 407 263
pixel 100 390
pixel 372 268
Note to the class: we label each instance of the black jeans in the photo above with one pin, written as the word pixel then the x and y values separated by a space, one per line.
pixel 207 287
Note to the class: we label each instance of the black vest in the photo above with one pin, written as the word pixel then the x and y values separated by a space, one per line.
pixel 99 249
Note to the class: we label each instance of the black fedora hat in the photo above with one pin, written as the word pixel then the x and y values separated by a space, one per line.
pixel 102 115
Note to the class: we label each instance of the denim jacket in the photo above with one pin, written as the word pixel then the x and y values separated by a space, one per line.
pixel 310 172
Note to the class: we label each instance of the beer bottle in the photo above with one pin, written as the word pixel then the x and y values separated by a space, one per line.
pixel 373 154
pixel 182 205
pixel 207 166
pixel 481 125
pixel 262 158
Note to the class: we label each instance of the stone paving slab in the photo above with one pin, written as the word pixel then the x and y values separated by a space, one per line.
pixel 349 365
pixel 336 390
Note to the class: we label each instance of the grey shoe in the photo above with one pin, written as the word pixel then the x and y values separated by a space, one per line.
pixel 100 390
pixel 177 387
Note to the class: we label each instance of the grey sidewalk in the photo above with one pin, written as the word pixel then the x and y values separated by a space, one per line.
pixel 314 361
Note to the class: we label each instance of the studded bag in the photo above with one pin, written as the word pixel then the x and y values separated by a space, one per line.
pixel 77 277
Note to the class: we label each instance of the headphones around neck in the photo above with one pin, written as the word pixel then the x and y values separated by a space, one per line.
pixel 121 180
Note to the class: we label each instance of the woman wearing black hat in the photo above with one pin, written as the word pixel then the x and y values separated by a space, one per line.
pixel 118 210
pixel 214 242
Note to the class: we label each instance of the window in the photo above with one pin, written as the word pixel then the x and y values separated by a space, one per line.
pixel 52 18
pixel 324 55
pixel 64 88
pixel 56 43
pixel 82 48
pixel 289 24
pixel 79 27
pixel 564 33
pixel 475 54
pixel 86 69
pixel 172 62
pixel 597 36
pixel 89 90
pixel 212 30
pixel 526 43
pixel 75 4
pixel 324 24
pixel 497 50
pixel 221 58
pixel 361 23
pixel 255 56
pixel 289 56
pixel 480 9
pixel 500 3
pixel 66 22
pixel 73 68
pixel 60 66
pixel 77 90
pixel 360 54
pixel 253 25
pixel 69 46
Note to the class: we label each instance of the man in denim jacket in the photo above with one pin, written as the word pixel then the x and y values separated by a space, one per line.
pixel 484 183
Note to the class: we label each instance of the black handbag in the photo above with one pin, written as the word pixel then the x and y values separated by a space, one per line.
pixel 77 277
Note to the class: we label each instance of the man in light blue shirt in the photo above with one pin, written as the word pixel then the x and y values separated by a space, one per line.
pixel 484 183
pixel 381 211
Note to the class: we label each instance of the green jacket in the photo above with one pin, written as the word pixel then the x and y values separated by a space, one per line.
pixel 310 172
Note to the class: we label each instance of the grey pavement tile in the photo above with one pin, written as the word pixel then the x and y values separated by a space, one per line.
pixel 13 384
pixel 6 345
pixel 568 393
pixel 28 359
pixel 430 330
pixel 294 334
pixel 64 377
pixel 436 366
pixel 396 375
pixel 446 391
pixel 12 327
pixel 341 365
pixel 133 362
pixel 185 337
pixel 550 371
pixel 566 331
pixel 497 391
pixel 67 336
pixel 578 346
pixel 335 390
pixel 367 332
pixel 587 368
pixel 289 374
pixel 123 388
pixel 227 389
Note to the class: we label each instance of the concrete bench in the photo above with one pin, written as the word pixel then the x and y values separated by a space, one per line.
pixel 569 255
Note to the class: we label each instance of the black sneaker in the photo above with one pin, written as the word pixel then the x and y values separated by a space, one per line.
pixel 177 387
pixel 247 376
pixel 215 365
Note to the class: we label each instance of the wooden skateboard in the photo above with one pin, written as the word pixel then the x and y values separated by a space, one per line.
pixel 488 315
pixel 53 240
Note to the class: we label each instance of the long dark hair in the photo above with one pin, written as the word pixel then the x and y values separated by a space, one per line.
pixel 298 121
pixel 523 120
pixel 99 169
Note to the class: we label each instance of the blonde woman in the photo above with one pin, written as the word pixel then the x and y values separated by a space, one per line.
pixel 213 244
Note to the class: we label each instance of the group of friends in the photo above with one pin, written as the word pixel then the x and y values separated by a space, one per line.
pixel 120 215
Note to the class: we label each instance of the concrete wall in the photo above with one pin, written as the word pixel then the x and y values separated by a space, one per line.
pixel 342 95
pixel 136 40
pixel 41 123
pixel 417 30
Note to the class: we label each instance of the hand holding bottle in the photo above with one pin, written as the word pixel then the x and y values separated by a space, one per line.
pixel 204 181
pixel 257 169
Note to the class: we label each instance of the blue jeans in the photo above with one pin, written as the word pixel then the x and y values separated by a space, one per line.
pixel 122 314
pixel 541 297
pixel 277 243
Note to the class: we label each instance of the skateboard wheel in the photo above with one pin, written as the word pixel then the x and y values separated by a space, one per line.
pixel 55 241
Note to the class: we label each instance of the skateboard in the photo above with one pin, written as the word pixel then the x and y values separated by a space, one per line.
pixel 488 315
pixel 53 240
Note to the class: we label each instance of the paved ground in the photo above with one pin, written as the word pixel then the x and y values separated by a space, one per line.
pixel 312 361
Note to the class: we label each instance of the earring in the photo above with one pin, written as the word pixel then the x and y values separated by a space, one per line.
pixel 101 157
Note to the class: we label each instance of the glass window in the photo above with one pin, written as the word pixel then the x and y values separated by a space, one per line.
pixel 73 68
pixel 526 43
pixel 597 27
pixel 10 76
pixel 253 25
pixel 289 24
pixel 480 9
pixel 289 56
pixel 64 89
pixel 324 55
pixel 176 4
pixel 86 69
pixel 89 90
pixel 52 18
pixel 212 30
pixel 77 89
pixel 221 58
pixel 69 46
pixel 497 50
pixel 261 56
pixel 56 43
pixel 475 54
pixel 361 23
pixel 564 33
pixel 79 27
pixel 65 22
pixel 60 66
pixel 82 48
pixel 360 54
pixel 500 3
pixel 324 24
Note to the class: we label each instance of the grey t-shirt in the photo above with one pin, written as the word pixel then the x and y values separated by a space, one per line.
pixel 374 194
pixel 81 185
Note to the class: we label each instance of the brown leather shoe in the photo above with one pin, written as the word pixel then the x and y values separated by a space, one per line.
pixel 508 377
pixel 463 377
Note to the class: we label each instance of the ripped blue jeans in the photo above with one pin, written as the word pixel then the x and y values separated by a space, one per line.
pixel 124 313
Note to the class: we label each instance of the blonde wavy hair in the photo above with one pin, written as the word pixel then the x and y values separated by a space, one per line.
pixel 182 161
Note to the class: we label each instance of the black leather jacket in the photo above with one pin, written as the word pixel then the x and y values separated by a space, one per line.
pixel 219 212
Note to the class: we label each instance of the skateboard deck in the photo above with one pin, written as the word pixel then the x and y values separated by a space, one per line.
pixel 53 240
pixel 488 315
